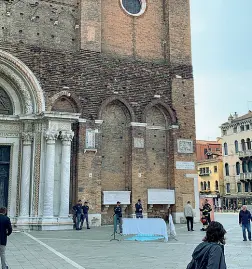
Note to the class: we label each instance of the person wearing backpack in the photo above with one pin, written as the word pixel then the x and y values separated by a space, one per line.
pixel 210 253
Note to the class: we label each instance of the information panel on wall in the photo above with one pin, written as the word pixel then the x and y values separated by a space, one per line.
pixel 161 197
pixel 112 197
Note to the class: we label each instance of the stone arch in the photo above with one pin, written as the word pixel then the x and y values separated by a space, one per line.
pixel 70 103
pixel 166 109
pixel 115 149
pixel 119 99
pixel 24 82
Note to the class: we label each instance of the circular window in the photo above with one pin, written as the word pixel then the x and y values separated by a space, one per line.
pixel 134 7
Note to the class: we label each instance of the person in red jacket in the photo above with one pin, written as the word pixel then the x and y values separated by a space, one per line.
pixel 5 230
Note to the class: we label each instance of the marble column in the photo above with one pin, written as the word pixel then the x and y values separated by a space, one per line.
pixel 51 137
pixel 66 138
pixel 27 139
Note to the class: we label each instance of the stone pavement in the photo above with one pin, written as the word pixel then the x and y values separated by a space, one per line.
pixel 91 249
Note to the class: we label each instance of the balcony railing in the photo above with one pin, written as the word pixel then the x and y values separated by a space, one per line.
pixel 204 174
pixel 246 176
pixel 245 153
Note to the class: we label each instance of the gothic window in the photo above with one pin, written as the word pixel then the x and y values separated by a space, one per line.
pixel 236 146
pixel 244 167
pixel 208 185
pixel 227 169
pixel 205 185
pixel 237 168
pixel 201 186
pixel 5 103
pixel 248 143
pixel 225 149
pixel 243 144
pixel 246 187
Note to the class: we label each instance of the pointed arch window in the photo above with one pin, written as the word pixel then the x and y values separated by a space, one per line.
pixel 236 146
pixel 238 168
pixel 225 149
pixel 243 144
pixel 227 169
pixel 216 185
pixel 248 143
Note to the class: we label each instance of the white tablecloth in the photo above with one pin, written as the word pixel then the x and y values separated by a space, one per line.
pixel 145 227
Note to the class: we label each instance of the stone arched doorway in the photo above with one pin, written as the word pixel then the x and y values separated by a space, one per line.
pixel 28 152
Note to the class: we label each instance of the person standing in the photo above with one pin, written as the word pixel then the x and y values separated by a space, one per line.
pixel 139 209
pixel 5 230
pixel 244 221
pixel 189 214
pixel 206 209
pixel 118 213
pixel 78 212
pixel 85 209
pixel 210 253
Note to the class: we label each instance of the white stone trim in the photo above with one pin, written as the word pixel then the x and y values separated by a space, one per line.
pixel 99 121
pixel 138 124
pixel 82 120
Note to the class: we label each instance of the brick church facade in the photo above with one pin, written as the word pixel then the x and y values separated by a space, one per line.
pixel 96 99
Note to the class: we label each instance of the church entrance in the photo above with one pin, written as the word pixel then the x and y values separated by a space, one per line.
pixel 4 174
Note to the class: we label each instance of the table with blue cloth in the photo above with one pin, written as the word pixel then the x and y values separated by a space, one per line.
pixel 151 226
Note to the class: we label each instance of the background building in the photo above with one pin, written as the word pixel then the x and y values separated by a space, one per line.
pixel 96 97
pixel 210 170
pixel 237 135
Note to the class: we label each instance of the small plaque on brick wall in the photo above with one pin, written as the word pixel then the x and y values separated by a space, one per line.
pixel 90 139
pixel 138 143
pixel 185 146
pixel 185 165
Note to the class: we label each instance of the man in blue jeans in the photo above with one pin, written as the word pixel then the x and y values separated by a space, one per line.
pixel 244 221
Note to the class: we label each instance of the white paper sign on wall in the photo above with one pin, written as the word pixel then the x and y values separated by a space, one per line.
pixel 185 165
pixel 111 197
pixel 161 197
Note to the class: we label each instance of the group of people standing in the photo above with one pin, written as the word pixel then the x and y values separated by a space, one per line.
pixel 190 214
pixel 80 215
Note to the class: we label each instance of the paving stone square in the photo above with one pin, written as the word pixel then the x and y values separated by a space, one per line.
pixel 92 249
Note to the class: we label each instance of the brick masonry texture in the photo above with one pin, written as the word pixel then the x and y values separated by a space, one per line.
pixel 113 65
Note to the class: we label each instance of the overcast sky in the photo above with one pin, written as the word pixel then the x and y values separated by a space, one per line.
pixel 222 61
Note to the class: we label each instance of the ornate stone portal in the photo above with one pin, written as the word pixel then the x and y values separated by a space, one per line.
pixel 38 142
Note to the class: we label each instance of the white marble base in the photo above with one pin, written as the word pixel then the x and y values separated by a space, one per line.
pixel 178 217
pixel 94 220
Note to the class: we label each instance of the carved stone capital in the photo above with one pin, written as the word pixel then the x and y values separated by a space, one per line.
pixel 66 137
pixel 51 136
pixel 27 137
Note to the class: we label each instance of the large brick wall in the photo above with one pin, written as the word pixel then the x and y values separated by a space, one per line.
pixel 44 23
pixel 128 69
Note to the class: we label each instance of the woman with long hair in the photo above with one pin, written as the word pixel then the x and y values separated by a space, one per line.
pixel 210 253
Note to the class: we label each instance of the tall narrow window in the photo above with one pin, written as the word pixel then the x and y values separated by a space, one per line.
pixel 239 187
pixel 249 166
pixel 244 167
pixel 208 185
pixel 225 149
pixel 243 144
pixel 248 143
pixel 205 186
pixel 246 186
pixel 227 169
pixel 228 187
pixel 236 146
pixel 216 185
pixel 238 168
pixel 201 186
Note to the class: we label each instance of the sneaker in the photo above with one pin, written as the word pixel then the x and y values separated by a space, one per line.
pixel 192 230
pixel 88 228
pixel 244 239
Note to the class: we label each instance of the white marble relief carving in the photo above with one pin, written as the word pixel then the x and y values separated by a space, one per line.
pixel 185 146
pixel 138 143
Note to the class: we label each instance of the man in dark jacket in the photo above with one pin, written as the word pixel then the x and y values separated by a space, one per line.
pixel 206 209
pixel 5 230
pixel 139 209
pixel 78 212
pixel 244 221
pixel 84 216
pixel 118 213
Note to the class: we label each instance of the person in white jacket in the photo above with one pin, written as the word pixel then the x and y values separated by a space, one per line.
pixel 189 214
